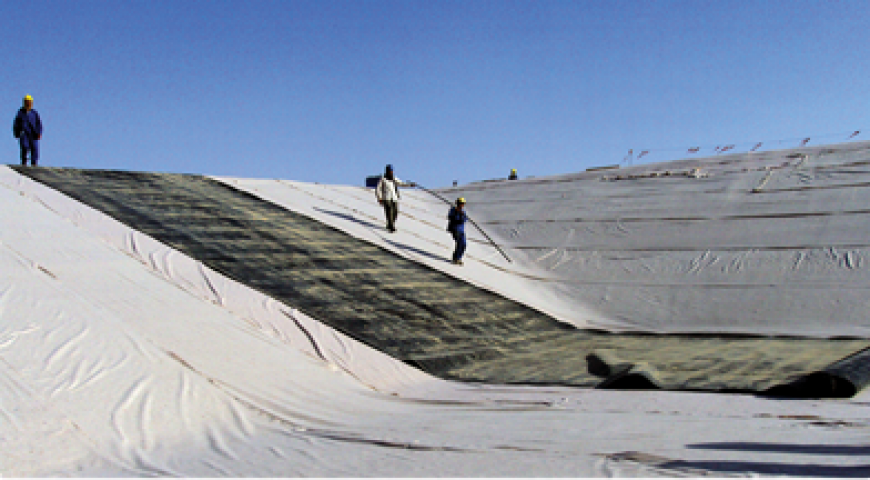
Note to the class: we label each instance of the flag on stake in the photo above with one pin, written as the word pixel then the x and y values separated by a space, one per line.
pixel 726 148
pixel 854 134
pixel 756 147
pixel 642 154
pixel 805 141
pixel 694 149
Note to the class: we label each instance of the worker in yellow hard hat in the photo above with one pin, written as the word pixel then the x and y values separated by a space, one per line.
pixel 513 175
pixel 27 128
pixel 456 227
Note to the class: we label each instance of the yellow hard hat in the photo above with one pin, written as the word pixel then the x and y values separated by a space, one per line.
pixel 460 200
pixel 28 97
pixel 513 170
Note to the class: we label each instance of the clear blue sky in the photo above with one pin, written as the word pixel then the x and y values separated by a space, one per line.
pixel 331 91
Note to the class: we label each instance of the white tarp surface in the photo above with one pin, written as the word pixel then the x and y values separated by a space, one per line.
pixel 119 356
pixel 773 243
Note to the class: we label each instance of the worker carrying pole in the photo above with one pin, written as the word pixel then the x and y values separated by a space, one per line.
pixel 448 202
pixel 456 227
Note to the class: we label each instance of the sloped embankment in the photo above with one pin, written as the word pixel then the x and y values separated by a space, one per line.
pixel 433 321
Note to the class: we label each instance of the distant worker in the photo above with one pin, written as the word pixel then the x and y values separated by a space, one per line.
pixel 456 226
pixel 513 175
pixel 27 128
pixel 388 195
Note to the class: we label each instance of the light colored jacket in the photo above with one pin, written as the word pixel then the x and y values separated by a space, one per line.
pixel 388 190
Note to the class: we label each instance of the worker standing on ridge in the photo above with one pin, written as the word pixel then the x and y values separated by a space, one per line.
pixel 388 195
pixel 513 175
pixel 456 227
pixel 27 128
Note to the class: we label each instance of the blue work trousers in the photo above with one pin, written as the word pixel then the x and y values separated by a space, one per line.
pixel 459 238
pixel 32 146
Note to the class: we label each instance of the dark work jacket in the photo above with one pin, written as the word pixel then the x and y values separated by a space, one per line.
pixel 457 220
pixel 27 126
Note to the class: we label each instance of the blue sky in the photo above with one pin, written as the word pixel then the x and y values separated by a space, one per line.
pixel 331 91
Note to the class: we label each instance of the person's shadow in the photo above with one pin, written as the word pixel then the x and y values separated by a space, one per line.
pixel 418 251
pixel 799 468
pixel 347 217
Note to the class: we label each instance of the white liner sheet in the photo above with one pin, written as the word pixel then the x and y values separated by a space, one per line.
pixel 119 356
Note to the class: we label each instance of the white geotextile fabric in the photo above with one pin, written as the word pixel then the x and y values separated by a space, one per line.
pixel 774 243
pixel 422 236
pixel 119 356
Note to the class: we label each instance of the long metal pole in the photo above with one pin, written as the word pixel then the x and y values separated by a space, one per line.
pixel 448 202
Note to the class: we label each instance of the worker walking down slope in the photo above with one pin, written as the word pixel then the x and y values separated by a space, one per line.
pixel 27 128
pixel 388 195
pixel 456 226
